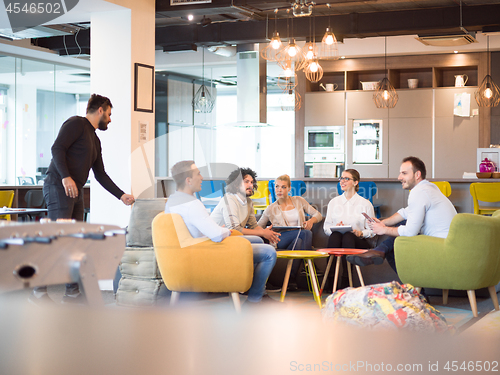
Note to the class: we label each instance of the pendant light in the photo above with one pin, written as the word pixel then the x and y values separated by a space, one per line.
pixel 488 94
pixel 313 70
pixel 203 101
pixel 329 46
pixel 270 53
pixel 385 96
pixel 292 53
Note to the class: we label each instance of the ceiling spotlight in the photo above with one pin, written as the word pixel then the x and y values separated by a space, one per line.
pixel 190 17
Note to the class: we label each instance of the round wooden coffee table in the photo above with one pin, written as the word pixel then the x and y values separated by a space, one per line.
pixel 308 256
pixel 338 253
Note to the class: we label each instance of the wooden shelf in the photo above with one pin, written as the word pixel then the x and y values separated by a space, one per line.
pixel 445 77
pixel 432 71
pixel 399 77
pixel 354 79
pixel 337 78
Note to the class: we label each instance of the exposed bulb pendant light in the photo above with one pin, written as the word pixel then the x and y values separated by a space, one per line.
pixel 329 46
pixel 385 96
pixel 270 53
pixel 310 47
pixel 488 94
pixel 313 71
pixel 203 101
pixel 291 53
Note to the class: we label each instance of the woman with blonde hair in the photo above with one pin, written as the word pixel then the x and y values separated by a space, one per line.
pixel 290 211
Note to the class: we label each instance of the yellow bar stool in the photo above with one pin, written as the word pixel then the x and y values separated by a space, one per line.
pixel 485 192
pixel 308 257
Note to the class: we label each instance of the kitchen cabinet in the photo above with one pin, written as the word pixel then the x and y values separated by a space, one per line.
pixel 456 138
pixel 325 109
pixel 180 144
pixel 179 99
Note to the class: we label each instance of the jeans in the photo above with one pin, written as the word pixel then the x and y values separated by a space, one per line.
pixel 60 206
pixel 304 242
pixel 264 259
pixel 387 247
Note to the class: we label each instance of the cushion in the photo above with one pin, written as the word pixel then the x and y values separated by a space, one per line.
pixel 143 213
pixel 135 292
pixel 389 305
pixel 140 262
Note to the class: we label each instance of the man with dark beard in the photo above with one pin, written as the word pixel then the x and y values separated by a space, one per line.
pixel 76 150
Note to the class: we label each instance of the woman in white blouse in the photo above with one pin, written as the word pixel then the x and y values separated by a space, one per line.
pixel 347 209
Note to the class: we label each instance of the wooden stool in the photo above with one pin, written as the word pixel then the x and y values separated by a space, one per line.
pixel 306 256
pixel 338 253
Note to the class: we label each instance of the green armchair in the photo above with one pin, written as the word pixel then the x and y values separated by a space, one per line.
pixel 468 259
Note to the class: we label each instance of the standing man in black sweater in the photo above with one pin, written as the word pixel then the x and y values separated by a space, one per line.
pixel 76 150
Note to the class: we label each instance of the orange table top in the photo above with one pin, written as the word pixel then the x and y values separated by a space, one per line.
pixel 340 251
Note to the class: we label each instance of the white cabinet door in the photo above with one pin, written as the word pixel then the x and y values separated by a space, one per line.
pixel 324 108
pixel 180 144
pixel 179 97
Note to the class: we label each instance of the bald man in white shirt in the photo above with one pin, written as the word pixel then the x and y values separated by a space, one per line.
pixel 428 212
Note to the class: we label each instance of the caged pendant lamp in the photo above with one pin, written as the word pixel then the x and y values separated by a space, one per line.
pixel 292 53
pixel 329 46
pixel 313 70
pixel 203 101
pixel 386 95
pixel 488 93
pixel 270 53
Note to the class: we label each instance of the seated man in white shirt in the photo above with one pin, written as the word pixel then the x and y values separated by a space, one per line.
pixel 428 212
pixel 183 202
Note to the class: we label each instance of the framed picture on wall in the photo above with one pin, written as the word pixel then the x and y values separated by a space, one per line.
pixel 144 87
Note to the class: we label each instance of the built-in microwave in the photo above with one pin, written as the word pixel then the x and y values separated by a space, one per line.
pixel 324 139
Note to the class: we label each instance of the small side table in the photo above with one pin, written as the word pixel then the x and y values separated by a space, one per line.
pixel 338 253
pixel 305 255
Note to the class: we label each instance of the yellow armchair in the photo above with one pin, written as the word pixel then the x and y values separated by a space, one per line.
pixel 190 264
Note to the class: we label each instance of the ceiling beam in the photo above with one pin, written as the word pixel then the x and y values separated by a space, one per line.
pixel 355 25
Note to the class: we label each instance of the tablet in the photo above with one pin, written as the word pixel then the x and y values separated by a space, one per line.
pixel 341 228
pixel 283 229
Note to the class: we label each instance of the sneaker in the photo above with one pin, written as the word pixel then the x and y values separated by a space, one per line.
pixel 292 287
pixel 272 289
pixel 44 300
pixel 266 300
pixel 79 299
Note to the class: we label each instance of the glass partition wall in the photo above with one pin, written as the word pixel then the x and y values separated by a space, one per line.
pixel 35 99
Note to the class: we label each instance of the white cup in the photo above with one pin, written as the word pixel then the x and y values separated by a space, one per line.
pixel 413 83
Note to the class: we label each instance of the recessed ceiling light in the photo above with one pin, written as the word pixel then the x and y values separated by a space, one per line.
pixel 455 51
pixel 342 57
pixel 190 17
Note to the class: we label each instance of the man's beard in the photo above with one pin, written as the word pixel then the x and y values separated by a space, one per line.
pixel 102 125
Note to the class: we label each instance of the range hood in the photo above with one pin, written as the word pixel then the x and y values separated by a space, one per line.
pixel 251 88
pixel 447 40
